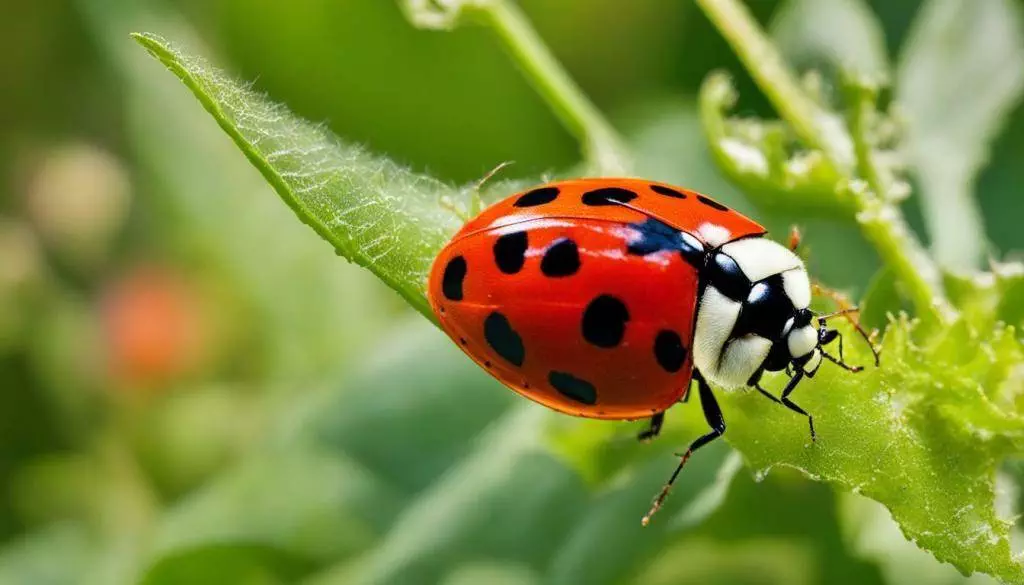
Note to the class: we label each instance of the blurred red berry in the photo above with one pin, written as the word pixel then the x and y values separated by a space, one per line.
pixel 153 327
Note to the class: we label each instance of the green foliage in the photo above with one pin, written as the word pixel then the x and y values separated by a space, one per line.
pixel 325 434
pixel 924 434
pixel 957 78
pixel 374 212
pixel 351 487
pixel 940 391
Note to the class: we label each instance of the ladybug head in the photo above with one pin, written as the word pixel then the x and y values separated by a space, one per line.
pixel 807 338
pixel 754 314
pixel 806 335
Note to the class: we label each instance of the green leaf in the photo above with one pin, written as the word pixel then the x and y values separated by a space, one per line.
pixel 872 534
pixel 406 395
pixel 801 512
pixel 30 559
pixel 278 514
pixel 374 212
pixel 844 34
pixel 382 478
pixel 588 555
pixel 300 331
pixel 923 434
pixel 959 76
pixel 708 562
pixel 881 301
pixel 1009 279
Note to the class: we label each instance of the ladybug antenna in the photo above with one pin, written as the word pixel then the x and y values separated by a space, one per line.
pixel 846 312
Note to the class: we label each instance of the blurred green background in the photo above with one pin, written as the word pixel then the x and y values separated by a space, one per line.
pixel 194 389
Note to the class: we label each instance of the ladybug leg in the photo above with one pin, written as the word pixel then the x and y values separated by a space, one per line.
pixel 713 416
pixel 826 336
pixel 792 405
pixel 767 394
pixel 794 379
pixel 652 430
pixel 755 382
pixel 686 396
pixel 839 362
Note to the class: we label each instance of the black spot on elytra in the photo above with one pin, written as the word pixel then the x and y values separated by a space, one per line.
pixel 669 350
pixel 608 196
pixel 503 339
pixel 562 258
pixel 604 321
pixel 541 196
pixel 510 252
pixel 454 275
pixel 724 274
pixel 573 388
pixel 712 203
pixel 662 190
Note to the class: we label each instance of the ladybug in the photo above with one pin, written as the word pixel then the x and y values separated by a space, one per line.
pixel 605 298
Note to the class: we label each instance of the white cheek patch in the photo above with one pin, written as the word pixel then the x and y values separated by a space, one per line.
pixel 760 258
pixel 742 357
pixel 802 341
pixel 716 316
pixel 797 287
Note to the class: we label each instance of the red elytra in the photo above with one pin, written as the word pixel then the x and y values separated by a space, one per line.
pixel 538 290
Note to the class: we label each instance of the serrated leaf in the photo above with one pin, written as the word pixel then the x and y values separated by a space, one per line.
pixel 374 212
pixel 923 434
pixel 872 534
pixel 960 74
pixel 756 156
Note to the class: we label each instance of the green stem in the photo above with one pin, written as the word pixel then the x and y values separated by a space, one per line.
pixel 812 123
pixel 881 221
pixel 883 225
pixel 861 99
pixel 602 146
